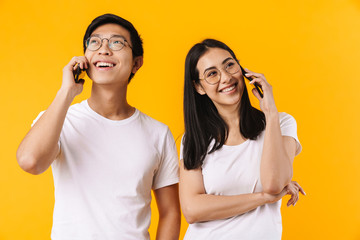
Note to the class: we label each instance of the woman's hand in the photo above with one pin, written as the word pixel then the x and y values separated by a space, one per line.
pixel 293 189
pixel 267 102
pixel 68 83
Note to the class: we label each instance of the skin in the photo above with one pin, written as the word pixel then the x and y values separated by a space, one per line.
pixel 277 157
pixel 39 148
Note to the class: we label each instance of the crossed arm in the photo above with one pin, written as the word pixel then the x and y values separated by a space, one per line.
pixel 275 173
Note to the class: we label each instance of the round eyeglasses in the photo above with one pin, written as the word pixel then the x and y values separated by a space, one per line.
pixel 115 43
pixel 213 75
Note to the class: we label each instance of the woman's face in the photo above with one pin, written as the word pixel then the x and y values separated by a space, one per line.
pixel 228 91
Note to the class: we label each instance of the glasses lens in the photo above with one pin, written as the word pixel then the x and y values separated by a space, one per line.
pixel 232 66
pixel 116 43
pixel 93 43
pixel 212 76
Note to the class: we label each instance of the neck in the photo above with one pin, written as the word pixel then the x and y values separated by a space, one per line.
pixel 231 116
pixel 110 101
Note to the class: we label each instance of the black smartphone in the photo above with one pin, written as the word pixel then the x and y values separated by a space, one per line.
pixel 78 74
pixel 258 88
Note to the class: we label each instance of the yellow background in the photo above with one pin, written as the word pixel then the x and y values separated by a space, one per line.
pixel 308 50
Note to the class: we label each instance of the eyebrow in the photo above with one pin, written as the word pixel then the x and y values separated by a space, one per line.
pixel 223 62
pixel 114 35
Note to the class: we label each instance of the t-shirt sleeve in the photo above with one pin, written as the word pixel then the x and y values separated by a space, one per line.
pixel 288 127
pixel 168 171
pixel 37 118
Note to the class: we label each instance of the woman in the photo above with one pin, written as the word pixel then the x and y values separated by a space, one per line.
pixel 236 161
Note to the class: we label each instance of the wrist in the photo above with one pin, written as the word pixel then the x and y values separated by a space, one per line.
pixel 65 95
pixel 272 115
pixel 265 197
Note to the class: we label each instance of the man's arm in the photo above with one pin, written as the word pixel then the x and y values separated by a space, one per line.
pixel 39 147
pixel 167 199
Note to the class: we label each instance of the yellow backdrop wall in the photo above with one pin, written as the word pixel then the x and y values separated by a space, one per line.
pixel 308 50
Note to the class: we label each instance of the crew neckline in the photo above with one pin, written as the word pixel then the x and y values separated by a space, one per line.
pixel 238 145
pixel 104 119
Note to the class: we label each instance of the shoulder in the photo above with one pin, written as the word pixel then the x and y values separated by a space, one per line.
pixel 284 115
pixel 78 107
pixel 152 124
pixel 286 119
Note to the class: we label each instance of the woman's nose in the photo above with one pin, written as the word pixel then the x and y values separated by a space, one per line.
pixel 225 76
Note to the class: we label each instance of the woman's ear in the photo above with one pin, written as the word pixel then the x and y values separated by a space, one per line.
pixel 199 88
pixel 138 62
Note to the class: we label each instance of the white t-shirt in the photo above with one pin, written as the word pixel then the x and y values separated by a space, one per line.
pixel 105 172
pixel 234 170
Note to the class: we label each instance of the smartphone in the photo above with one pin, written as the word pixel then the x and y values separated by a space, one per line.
pixel 78 74
pixel 258 88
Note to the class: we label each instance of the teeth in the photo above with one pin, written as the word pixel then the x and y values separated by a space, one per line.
pixel 104 64
pixel 228 89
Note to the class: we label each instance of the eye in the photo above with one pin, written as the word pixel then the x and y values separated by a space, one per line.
pixel 230 65
pixel 93 41
pixel 117 41
pixel 211 74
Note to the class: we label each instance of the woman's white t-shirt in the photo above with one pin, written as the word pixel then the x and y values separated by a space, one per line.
pixel 234 170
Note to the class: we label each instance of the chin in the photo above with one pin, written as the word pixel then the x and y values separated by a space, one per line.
pixel 234 101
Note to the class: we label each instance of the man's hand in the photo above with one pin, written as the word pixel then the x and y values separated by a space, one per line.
pixel 68 82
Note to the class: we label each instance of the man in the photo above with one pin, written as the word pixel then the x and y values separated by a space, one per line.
pixel 106 156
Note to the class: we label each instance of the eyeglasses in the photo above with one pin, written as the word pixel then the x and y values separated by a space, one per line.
pixel 213 75
pixel 115 43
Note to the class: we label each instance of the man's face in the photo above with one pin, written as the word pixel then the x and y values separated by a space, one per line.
pixel 108 66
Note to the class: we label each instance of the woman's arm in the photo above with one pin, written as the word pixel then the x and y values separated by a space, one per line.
pixel 278 151
pixel 197 206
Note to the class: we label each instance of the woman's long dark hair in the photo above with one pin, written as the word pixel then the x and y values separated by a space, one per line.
pixel 203 123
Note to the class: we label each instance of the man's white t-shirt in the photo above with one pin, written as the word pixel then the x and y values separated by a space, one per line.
pixel 105 172
pixel 235 170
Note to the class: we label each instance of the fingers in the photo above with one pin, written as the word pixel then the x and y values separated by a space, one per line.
pixel 293 189
pixel 294 197
pixel 76 62
pixel 256 93
pixel 259 81
pixel 253 74
pixel 300 188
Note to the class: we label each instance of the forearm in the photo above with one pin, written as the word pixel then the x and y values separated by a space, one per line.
pixel 276 165
pixel 39 147
pixel 169 226
pixel 206 207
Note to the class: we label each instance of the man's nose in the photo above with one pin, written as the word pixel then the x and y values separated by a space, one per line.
pixel 105 49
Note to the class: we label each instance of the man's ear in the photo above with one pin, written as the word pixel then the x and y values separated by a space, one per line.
pixel 199 88
pixel 138 62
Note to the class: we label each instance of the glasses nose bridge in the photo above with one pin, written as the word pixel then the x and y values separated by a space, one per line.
pixel 224 73
pixel 101 42
pixel 102 45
